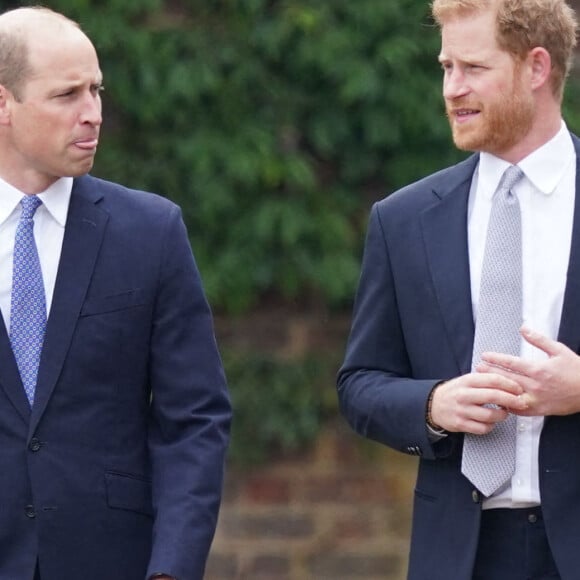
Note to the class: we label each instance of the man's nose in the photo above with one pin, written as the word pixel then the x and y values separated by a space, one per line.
pixel 454 84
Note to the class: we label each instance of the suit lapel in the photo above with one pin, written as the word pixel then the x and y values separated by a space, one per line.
pixel 84 231
pixel 10 376
pixel 445 230
pixel 569 332
pixel 445 234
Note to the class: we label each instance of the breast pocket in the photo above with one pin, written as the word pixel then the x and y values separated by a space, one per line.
pixel 113 302
pixel 111 335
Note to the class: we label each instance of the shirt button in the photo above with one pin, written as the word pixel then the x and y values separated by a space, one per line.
pixel 521 427
pixel 30 511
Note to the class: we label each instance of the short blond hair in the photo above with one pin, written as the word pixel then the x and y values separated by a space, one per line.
pixel 523 25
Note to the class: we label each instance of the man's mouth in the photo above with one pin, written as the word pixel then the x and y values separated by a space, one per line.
pixel 463 114
pixel 87 144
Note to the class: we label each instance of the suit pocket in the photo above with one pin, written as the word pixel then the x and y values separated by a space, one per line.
pixel 420 494
pixel 128 492
pixel 113 302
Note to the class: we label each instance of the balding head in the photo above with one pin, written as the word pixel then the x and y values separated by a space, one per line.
pixel 18 29
pixel 50 104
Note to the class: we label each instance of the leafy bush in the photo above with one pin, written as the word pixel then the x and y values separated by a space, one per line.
pixel 279 405
pixel 273 123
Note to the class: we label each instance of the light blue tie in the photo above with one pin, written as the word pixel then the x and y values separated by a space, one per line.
pixel 28 307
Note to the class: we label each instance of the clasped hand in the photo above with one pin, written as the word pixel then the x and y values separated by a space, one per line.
pixel 503 384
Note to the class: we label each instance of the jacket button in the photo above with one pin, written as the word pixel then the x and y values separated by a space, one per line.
pixel 475 496
pixel 35 444
pixel 30 511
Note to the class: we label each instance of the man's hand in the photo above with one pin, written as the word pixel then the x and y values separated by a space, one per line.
pixel 459 405
pixel 550 386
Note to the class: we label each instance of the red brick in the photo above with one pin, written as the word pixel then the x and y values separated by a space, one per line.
pixel 353 527
pixel 267 490
pixel 220 566
pixel 270 566
pixel 354 566
pixel 363 489
pixel 270 526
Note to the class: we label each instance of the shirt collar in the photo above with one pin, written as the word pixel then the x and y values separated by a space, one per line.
pixel 544 167
pixel 55 199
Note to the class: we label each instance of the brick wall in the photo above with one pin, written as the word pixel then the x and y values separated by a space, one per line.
pixel 338 511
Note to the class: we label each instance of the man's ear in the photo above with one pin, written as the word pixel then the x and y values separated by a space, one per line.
pixel 540 64
pixel 5 99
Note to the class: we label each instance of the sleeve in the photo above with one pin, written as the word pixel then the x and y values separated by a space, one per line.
pixel 377 392
pixel 190 414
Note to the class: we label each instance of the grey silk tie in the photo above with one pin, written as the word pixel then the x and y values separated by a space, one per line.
pixel 489 460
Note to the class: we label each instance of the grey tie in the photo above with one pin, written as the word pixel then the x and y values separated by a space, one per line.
pixel 489 460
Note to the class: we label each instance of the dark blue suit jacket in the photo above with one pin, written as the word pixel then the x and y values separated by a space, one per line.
pixel 412 327
pixel 117 470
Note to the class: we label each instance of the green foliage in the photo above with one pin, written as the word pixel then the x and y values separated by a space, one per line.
pixel 278 405
pixel 273 123
pixel 571 110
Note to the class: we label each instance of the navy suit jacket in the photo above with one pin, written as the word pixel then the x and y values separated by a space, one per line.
pixel 116 471
pixel 413 327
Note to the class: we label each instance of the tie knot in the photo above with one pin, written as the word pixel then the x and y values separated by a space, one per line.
pixel 29 204
pixel 510 177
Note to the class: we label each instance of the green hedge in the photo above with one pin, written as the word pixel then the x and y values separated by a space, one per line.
pixel 279 405
pixel 274 124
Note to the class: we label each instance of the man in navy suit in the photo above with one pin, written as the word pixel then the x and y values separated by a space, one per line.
pixel 407 379
pixel 115 468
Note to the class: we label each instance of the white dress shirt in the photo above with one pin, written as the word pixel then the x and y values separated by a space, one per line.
pixel 49 222
pixel 546 196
